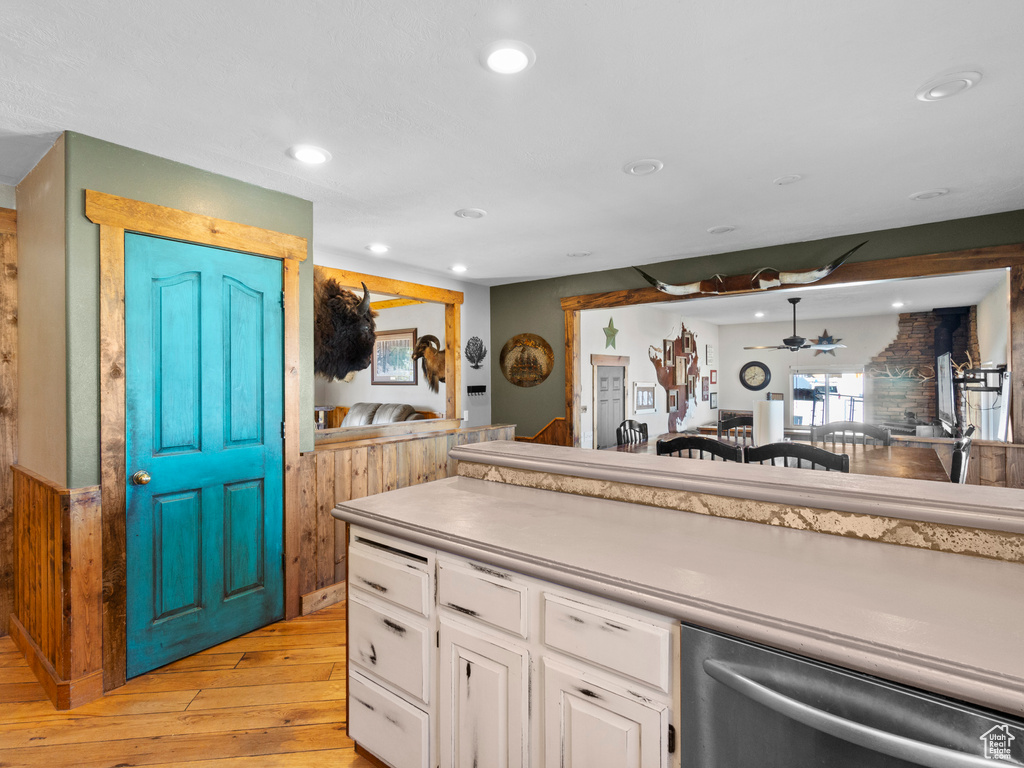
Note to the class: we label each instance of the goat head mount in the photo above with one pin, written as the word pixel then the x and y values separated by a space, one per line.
pixel 761 280
pixel 428 351
pixel 343 329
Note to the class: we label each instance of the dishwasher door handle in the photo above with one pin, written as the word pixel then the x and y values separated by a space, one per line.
pixel 900 747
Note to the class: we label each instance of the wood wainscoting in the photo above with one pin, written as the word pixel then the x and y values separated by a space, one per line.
pixel 58 601
pixel 342 470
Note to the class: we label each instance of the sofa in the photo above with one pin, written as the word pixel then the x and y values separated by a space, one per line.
pixel 362 414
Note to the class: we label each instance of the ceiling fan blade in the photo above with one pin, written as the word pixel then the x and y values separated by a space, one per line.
pixel 825 347
pixel 767 347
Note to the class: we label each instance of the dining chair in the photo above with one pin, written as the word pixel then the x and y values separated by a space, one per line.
pixel 815 458
pixel 738 429
pixel 852 432
pixel 961 455
pixel 630 431
pixel 687 444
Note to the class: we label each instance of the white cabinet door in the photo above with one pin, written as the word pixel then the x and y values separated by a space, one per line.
pixel 484 699
pixel 389 645
pixel 591 723
pixel 387 725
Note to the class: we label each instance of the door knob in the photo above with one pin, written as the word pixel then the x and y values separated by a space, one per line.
pixel 141 477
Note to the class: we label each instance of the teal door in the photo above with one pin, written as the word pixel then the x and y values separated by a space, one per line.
pixel 204 406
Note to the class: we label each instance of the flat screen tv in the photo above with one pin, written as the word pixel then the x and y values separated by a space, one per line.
pixel 946 400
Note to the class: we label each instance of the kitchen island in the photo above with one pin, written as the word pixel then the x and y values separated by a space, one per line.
pixel 946 623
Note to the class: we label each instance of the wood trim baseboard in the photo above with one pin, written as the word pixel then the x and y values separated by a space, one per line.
pixel 323 598
pixel 65 694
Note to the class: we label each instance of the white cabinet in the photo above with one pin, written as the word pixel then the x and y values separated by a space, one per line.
pixel 483 698
pixel 501 670
pixel 591 723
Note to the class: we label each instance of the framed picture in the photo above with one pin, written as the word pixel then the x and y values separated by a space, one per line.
pixel 691 386
pixel 705 388
pixel 669 348
pixel 687 343
pixel 643 397
pixel 392 357
pixel 709 355
pixel 714 400
pixel 680 373
pixel 673 400
pixel 714 377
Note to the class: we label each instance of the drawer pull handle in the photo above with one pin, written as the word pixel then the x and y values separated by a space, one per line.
pixel 398 629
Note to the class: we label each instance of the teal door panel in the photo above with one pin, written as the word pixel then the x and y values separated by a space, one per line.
pixel 204 404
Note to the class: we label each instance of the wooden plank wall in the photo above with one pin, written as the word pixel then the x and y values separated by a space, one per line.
pixel 555 432
pixel 57 618
pixel 8 404
pixel 338 472
pixel 999 464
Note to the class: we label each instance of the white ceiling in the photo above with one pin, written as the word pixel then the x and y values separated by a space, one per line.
pixel 824 302
pixel 729 95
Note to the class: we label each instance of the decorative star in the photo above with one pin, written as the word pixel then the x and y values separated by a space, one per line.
pixel 609 334
pixel 826 340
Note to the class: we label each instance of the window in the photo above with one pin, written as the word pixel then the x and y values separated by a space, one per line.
pixel 823 396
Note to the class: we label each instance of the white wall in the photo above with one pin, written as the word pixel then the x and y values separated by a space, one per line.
pixel 7 196
pixel 864 338
pixel 993 328
pixel 639 328
pixel 475 318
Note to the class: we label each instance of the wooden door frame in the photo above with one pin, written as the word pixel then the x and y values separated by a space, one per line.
pixel 612 361
pixel 952 262
pixel 9 397
pixel 115 216
pixel 414 293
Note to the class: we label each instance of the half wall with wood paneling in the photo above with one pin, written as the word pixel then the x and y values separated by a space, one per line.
pixel 58 609
pixel 340 471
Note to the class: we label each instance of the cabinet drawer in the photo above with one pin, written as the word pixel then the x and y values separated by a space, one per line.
pixel 400 577
pixel 392 729
pixel 485 594
pixel 390 646
pixel 623 644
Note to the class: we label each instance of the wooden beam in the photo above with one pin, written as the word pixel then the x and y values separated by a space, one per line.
pixel 954 262
pixel 452 359
pixel 292 422
pixel 392 303
pixel 136 216
pixel 573 374
pixel 1017 354
pixel 375 284
pixel 8 221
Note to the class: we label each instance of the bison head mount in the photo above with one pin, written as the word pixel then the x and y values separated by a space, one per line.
pixel 343 329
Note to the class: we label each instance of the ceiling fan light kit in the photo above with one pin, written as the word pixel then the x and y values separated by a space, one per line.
pixel 795 342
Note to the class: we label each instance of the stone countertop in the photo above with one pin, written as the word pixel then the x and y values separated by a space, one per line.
pixel 947 623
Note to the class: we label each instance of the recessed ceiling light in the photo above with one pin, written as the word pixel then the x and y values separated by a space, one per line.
pixel 377 248
pixel 721 229
pixel 643 167
pixel 579 254
pixel 928 194
pixel 508 57
pixel 458 267
pixel 307 153
pixel 471 213
pixel 897 304
pixel 792 178
pixel 944 86
pixel 759 314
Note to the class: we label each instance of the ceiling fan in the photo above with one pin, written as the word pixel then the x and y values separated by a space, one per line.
pixel 795 343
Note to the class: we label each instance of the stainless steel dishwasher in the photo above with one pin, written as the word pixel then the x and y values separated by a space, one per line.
pixel 748 706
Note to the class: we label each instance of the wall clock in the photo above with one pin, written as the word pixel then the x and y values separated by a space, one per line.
pixel 755 375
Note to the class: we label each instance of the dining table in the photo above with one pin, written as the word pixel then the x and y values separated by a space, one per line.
pixel 912 462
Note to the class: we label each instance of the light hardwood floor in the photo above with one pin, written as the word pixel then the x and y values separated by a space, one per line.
pixel 273 697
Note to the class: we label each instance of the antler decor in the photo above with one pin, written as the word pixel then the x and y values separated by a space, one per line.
pixel 761 280
pixel 923 373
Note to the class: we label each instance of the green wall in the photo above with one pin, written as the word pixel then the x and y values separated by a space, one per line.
pixel 105 167
pixel 533 307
